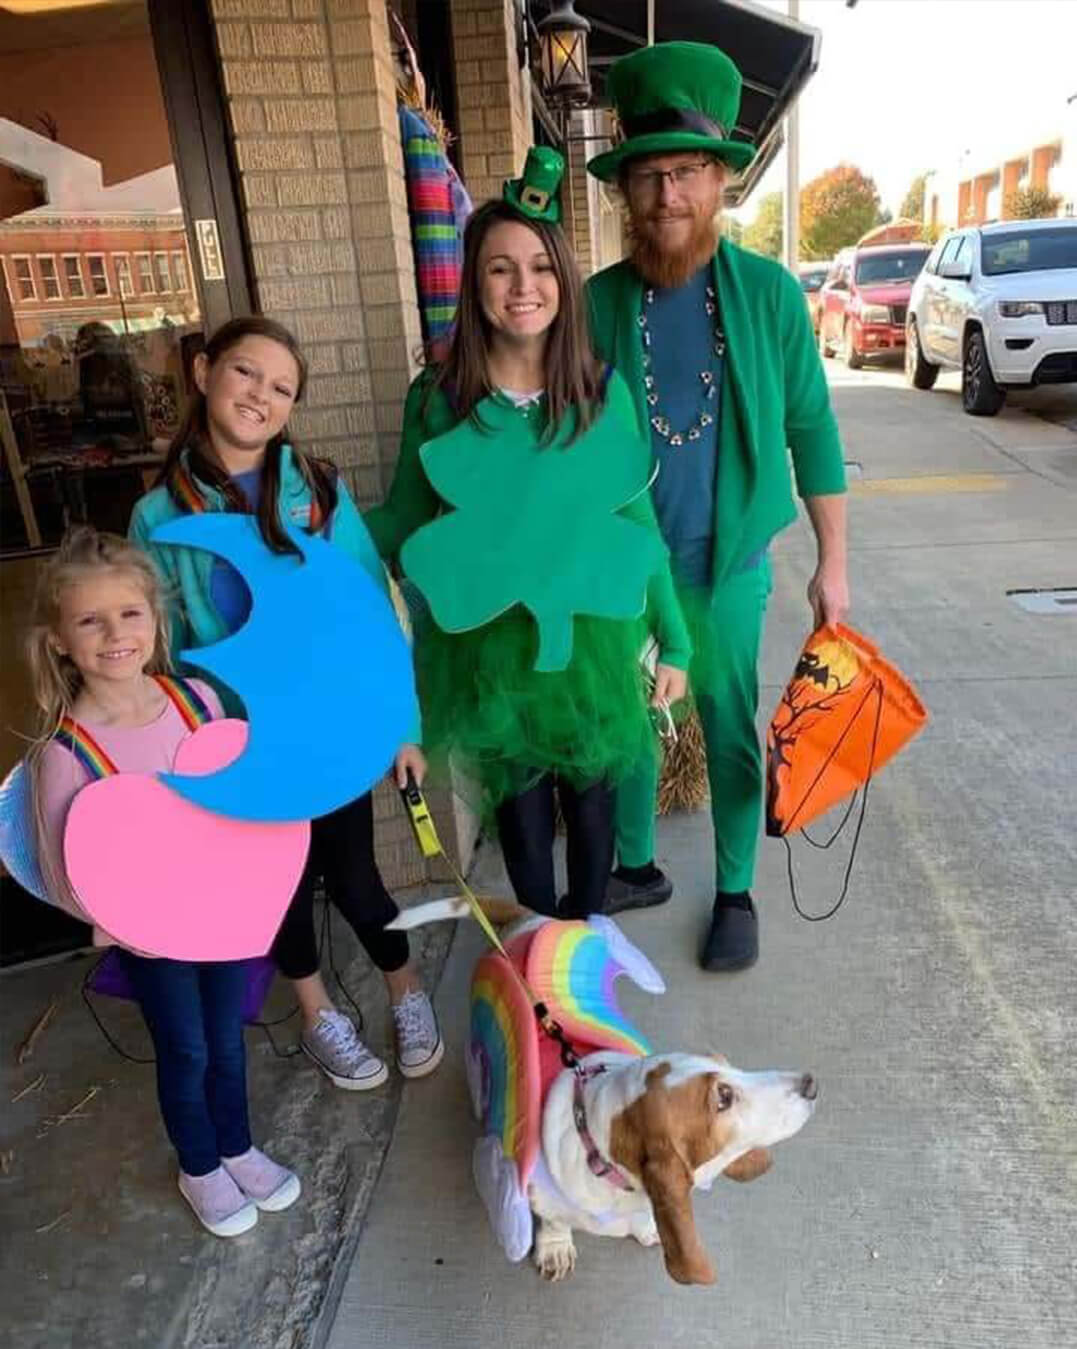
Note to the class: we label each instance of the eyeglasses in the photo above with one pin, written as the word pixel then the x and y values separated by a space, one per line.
pixel 684 177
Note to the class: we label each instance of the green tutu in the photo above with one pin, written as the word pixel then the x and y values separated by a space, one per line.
pixel 503 725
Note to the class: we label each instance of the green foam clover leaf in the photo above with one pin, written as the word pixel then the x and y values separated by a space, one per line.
pixel 534 525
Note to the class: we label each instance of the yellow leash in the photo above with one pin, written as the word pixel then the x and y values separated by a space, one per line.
pixel 426 835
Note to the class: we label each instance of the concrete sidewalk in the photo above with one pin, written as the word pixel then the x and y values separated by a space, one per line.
pixel 99 1250
pixel 933 1199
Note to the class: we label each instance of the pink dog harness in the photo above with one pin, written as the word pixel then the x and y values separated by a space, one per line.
pixel 596 1163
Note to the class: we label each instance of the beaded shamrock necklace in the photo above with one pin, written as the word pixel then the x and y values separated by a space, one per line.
pixel 706 377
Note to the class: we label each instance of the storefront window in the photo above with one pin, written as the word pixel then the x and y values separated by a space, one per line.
pixel 99 319
pixel 98 316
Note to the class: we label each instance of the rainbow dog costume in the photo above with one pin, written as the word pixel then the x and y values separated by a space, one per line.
pixel 572 968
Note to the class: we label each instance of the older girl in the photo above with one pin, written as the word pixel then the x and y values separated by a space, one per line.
pixel 233 453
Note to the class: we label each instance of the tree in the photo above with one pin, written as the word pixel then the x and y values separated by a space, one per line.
pixel 1032 203
pixel 912 204
pixel 835 210
pixel 764 234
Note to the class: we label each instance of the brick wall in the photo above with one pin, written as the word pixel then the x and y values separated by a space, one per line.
pixel 493 94
pixel 311 97
pixel 312 103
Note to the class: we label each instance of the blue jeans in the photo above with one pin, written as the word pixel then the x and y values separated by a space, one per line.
pixel 195 1016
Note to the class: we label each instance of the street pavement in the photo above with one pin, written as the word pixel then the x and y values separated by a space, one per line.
pixel 932 1201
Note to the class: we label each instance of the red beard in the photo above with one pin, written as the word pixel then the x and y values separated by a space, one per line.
pixel 669 270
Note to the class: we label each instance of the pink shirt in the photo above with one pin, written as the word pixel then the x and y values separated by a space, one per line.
pixel 133 749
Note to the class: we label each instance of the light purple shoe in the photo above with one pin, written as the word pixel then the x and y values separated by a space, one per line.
pixel 271 1186
pixel 419 1047
pixel 219 1204
pixel 336 1048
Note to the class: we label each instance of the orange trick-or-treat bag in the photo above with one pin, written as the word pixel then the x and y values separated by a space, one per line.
pixel 845 712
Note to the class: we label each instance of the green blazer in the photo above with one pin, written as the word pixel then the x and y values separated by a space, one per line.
pixel 774 395
pixel 412 501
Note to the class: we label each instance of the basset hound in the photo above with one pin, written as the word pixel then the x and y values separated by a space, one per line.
pixel 626 1140
pixel 616 1143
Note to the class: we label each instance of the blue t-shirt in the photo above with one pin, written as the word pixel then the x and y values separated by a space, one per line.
pixel 227 589
pixel 682 345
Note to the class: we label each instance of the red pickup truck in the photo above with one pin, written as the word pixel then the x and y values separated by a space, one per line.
pixel 864 300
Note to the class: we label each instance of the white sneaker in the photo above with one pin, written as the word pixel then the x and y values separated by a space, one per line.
pixel 336 1048
pixel 419 1047
pixel 219 1204
pixel 268 1185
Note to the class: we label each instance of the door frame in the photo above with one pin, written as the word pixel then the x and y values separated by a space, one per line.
pixel 189 67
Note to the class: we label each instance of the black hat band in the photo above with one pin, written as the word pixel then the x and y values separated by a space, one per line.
pixel 673 119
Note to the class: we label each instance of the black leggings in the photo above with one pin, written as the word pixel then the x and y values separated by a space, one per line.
pixel 526 825
pixel 342 854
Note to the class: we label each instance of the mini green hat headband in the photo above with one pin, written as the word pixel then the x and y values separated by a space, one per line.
pixel 535 194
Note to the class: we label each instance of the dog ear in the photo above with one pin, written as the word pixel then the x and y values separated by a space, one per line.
pixel 668 1180
pixel 647 1140
pixel 750 1165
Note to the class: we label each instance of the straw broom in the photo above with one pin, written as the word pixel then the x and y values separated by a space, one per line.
pixel 683 781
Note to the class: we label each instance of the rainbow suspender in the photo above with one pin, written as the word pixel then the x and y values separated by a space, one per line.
pixel 79 742
pixel 186 494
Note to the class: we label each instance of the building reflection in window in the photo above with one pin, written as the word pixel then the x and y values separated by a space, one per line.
pixel 98 316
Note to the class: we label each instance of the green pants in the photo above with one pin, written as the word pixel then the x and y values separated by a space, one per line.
pixel 726 628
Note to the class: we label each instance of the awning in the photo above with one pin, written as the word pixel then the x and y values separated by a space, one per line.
pixel 775 55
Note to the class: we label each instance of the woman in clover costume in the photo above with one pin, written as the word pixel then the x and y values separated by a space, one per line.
pixel 520 512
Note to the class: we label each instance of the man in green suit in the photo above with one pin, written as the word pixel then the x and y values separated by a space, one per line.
pixel 716 345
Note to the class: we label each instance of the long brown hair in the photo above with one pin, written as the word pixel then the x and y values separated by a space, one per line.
pixel 193 437
pixel 54 677
pixel 574 381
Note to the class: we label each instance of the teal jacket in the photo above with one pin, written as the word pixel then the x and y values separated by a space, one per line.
pixel 412 502
pixel 774 395
pixel 195 619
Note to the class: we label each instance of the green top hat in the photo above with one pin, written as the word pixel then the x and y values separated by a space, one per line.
pixel 670 97
pixel 535 194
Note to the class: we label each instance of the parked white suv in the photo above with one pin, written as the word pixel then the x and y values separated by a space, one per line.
pixel 999 303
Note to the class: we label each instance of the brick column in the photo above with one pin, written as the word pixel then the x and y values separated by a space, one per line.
pixel 493 93
pixel 312 104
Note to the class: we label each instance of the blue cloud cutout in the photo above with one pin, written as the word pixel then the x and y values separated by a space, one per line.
pixel 321 665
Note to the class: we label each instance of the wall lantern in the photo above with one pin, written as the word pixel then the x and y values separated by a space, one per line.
pixel 563 49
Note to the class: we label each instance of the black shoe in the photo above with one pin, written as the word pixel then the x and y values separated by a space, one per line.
pixel 733 940
pixel 622 894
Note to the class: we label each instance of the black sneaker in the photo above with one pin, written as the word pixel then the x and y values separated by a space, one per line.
pixel 622 894
pixel 733 940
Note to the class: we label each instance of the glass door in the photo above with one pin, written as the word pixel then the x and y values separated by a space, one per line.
pixel 119 245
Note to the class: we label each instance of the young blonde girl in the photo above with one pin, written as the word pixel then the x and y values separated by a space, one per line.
pixel 233 453
pixel 98 653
